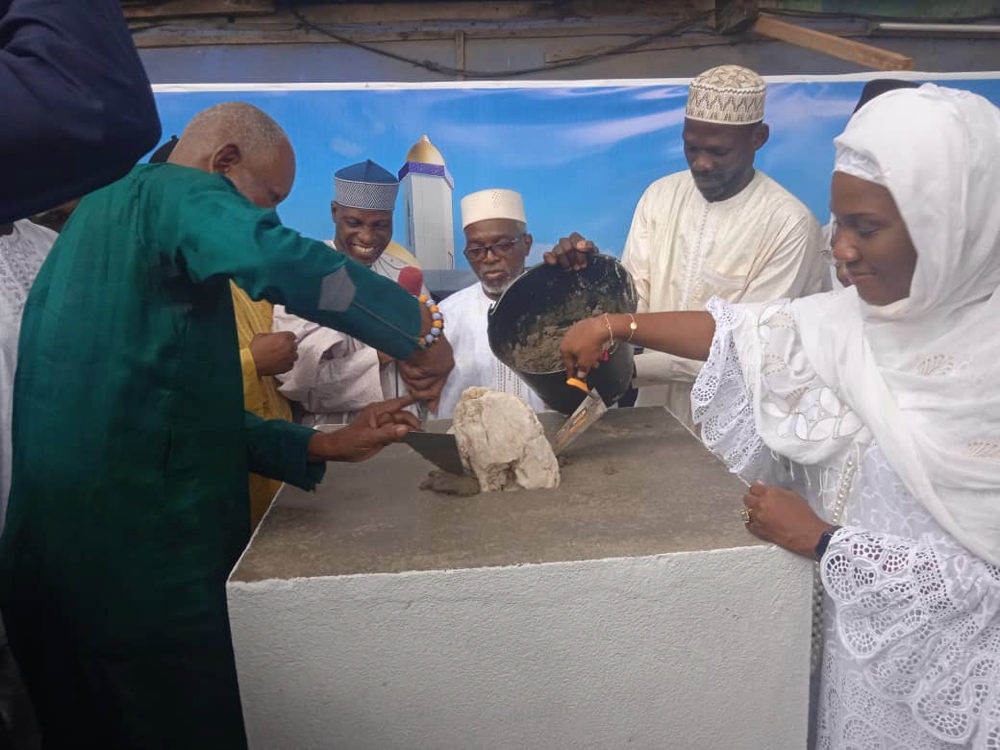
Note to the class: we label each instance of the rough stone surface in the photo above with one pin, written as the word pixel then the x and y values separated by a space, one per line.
pixel 502 442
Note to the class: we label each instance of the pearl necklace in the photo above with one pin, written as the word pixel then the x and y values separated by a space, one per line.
pixel 847 475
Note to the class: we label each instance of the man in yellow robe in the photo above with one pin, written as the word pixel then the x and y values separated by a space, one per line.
pixel 262 356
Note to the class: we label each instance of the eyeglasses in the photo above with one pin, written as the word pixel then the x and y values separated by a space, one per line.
pixel 501 249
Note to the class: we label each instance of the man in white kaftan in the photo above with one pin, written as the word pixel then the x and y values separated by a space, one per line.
pixel 721 229
pixel 24 246
pixel 336 376
pixel 497 244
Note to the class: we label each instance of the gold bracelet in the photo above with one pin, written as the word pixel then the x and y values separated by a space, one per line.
pixel 632 328
pixel 611 333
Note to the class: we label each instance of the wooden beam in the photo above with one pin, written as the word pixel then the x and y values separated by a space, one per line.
pixel 192 8
pixel 865 55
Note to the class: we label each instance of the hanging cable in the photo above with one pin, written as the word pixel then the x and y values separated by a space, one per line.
pixel 676 29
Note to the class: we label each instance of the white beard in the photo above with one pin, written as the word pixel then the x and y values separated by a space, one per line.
pixel 495 290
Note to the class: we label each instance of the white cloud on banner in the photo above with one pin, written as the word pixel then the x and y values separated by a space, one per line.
pixel 548 145
pixel 789 104
pixel 346 148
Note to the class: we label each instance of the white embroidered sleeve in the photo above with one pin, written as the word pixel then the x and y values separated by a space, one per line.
pixel 924 616
pixel 333 373
pixel 722 404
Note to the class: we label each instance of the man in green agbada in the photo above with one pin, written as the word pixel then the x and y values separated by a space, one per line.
pixel 129 498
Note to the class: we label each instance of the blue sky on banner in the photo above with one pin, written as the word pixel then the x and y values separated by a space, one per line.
pixel 580 155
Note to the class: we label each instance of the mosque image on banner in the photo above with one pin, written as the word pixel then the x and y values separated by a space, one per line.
pixel 428 195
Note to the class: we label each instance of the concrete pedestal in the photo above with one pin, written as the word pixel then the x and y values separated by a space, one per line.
pixel 627 609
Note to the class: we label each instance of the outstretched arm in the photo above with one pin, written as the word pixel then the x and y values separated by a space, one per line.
pixel 213 232
pixel 684 334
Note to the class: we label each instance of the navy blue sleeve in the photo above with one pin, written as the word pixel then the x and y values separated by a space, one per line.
pixel 78 111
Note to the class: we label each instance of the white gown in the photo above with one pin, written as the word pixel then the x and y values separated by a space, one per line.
pixel 22 253
pixel 336 376
pixel 465 320
pixel 910 619
pixel 759 245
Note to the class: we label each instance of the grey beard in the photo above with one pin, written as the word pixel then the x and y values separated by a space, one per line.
pixel 497 289
pixel 494 290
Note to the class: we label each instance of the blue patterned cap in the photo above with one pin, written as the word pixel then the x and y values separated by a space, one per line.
pixel 365 185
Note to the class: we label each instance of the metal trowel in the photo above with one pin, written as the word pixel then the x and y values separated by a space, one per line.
pixel 589 411
pixel 438 448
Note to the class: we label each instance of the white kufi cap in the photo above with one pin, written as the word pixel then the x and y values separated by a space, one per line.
pixel 495 203
pixel 727 95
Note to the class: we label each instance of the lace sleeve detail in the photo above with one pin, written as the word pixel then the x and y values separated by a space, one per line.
pixel 721 402
pixel 925 618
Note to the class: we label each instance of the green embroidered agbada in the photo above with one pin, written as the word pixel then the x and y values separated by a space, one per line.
pixel 131 450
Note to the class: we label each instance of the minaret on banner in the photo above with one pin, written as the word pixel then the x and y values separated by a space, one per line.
pixel 427 204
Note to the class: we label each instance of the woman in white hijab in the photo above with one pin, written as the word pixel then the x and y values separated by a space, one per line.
pixel 869 421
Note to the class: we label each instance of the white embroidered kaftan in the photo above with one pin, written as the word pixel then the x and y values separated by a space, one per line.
pixel 888 418
pixel 911 620
pixel 465 320
pixel 22 252
pixel 337 376
pixel 761 244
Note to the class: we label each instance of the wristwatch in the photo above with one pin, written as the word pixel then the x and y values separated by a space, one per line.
pixel 824 542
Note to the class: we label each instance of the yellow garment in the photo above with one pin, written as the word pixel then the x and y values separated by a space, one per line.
pixel 260 394
pixel 398 251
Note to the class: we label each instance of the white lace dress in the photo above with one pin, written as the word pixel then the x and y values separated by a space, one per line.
pixel 911 620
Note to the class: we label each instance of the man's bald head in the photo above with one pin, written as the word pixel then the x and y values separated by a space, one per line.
pixel 243 143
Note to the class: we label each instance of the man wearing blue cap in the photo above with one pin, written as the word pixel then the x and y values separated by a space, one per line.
pixel 335 375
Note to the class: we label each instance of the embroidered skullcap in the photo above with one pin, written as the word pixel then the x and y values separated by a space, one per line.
pixel 495 203
pixel 367 186
pixel 728 95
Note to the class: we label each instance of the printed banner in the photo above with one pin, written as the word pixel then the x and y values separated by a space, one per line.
pixel 580 153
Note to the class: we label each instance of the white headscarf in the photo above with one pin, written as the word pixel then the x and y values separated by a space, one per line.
pixel 923 375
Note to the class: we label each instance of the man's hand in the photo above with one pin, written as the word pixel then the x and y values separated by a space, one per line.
pixel 426 371
pixel 274 353
pixel 571 253
pixel 384 360
pixel 377 426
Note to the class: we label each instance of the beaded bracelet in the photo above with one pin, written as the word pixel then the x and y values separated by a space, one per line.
pixel 437 323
